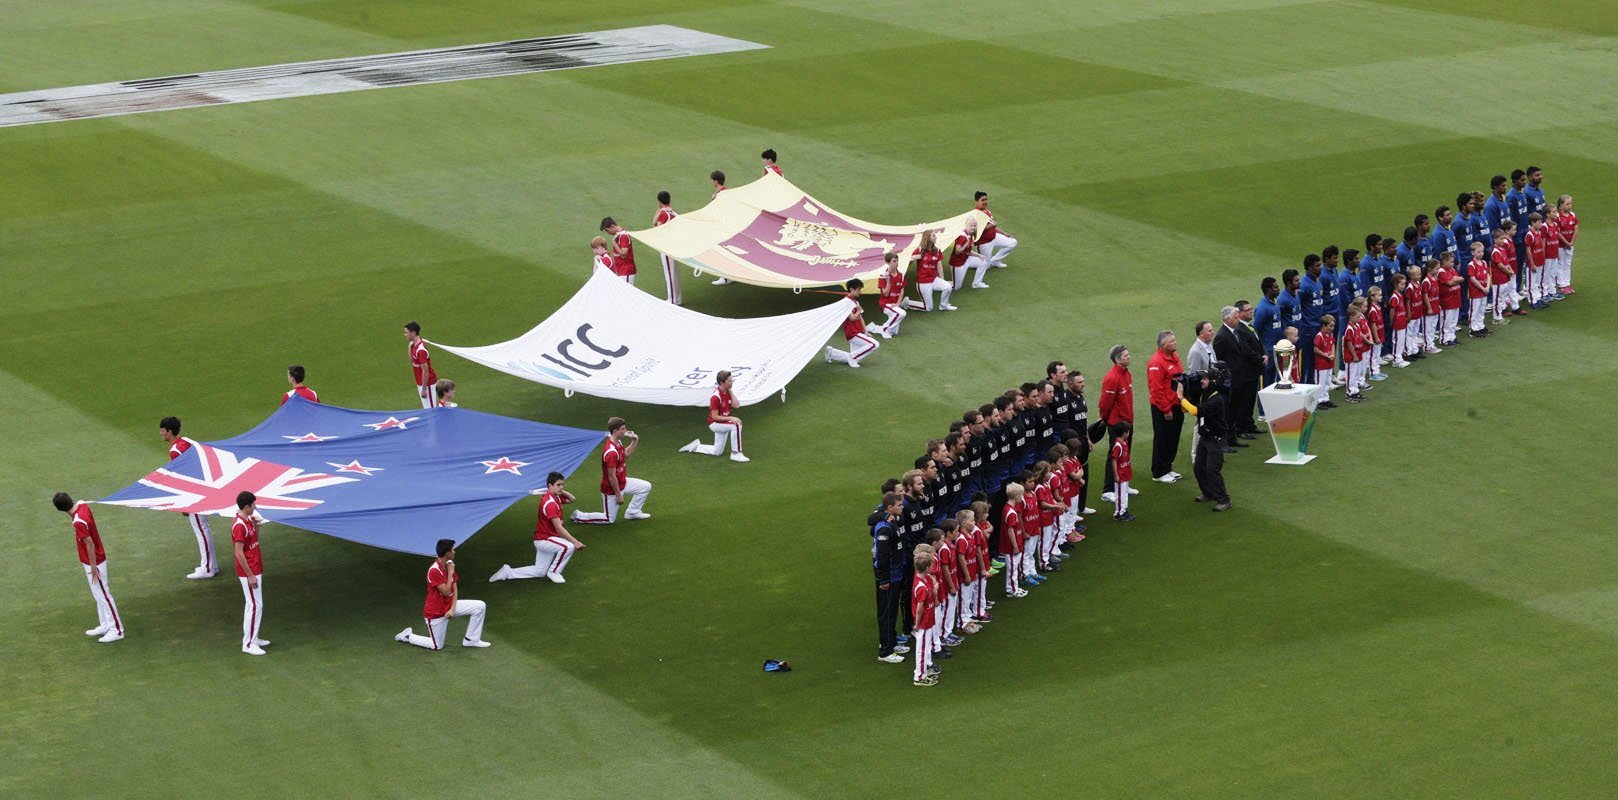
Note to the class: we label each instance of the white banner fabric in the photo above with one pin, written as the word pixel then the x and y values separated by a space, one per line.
pixel 613 340
pixel 770 233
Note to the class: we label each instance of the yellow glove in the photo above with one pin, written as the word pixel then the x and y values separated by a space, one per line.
pixel 1189 409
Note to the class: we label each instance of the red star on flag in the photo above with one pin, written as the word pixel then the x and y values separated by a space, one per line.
pixel 308 437
pixel 354 466
pixel 390 423
pixel 503 465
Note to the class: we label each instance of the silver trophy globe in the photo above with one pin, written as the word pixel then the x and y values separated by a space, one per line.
pixel 1285 354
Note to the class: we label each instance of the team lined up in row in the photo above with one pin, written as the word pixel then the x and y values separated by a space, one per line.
pixel 1004 490
pixel 1400 301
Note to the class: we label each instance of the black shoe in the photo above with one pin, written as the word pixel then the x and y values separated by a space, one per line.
pixel 1326 404
pixel 1053 567
pixel 1230 449
pixel 1127 517
pixel 944 653
pixel 1225 506
pixel 1201 498
pixel 1240 444
pixel 1415 356
pixel 1066 547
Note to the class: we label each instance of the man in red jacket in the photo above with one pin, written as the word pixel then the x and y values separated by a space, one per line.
pixel 1164 391
pixel 1117 405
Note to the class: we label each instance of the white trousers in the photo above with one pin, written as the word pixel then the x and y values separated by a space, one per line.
pixel 995 250
pixel 889 327
pixel 1451 317
pixel 1013 570
pixel 982 608
pixel 1356 376
pixel 969 601
pixel 1123 498
pixel 1367 366
pixel 1413 336
pixel 1564 273
pixel 437 628
pixel 924 640
pixel 1478 310
pixel 1504 297
pixel 1429 331
pixel 106 609
pixel 635 488
pixel 723 432
pixel 1541 283
pixel 973 262
pixel 859 347
pixel 952 612
pixel 1322 388
pixel 1030 554
pixel 252 610
pixel 551 555
pixel 428 396
pixel 671 277
pixel 199 528
pixel 937 286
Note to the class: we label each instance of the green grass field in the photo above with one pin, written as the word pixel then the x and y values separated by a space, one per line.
pixel 1428 610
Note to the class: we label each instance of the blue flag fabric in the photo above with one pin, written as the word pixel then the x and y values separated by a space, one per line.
pixel 399 480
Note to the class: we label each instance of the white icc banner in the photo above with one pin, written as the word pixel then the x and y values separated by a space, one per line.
pixel 769 233
pixel 613 340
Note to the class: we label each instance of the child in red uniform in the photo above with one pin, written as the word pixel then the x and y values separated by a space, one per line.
pixel 1049 508
pixel 1011 540
pixel 982 534
pixel 890 287
pixel 1122 469
pixel 1534 243
pixel 1031 528
pixel 948 567
pixel 1414 305
pixel 1567 223
pixel 966 571
pixel 860 343
pixel 1503 274
pixel 1399 321
pixel 1373 321
pixel 1075 487
pixel 1355 348
pixel 1553 253
pixel 1449 299
pixel 1477 291
pixel 924 609
pixel 1430 316
pixel 1325 355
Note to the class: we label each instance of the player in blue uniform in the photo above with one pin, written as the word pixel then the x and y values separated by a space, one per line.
pixel 1494 209
pixel 1517 210
pixel 1267 322
pixel 1370 265
pixel 1536 195
pixel 1311 298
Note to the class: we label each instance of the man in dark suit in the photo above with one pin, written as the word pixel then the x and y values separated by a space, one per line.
pixel 1239 351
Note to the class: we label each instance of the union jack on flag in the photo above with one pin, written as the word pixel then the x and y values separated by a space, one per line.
pixel 395 479
pixel 209 482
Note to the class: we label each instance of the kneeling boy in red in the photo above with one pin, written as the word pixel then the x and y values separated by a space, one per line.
pixel 860 343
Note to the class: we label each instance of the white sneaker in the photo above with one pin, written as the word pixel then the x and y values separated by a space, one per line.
pixel 1133 491
pixel 474 643
pixel 253 651
pixel 695 443
pixel 1086 510
pixel 1167 478
pixel 501 574
pixel 853 364
pixel 1176 475
pixel 891 658
pixel 1109 497
pixel 112 636
pixel 640 515
pixel 722 282
pixel 556 577
pixel 1387 359
pixel 574 516
pixel 261 642
pixel 1020 593
pixel 828 354
pixel 198 574
pixel 980 285
pixel 998 264
pixel 404 635
pixel 1401 363
pixel 739 457
pixel 948 308
pixel 98 631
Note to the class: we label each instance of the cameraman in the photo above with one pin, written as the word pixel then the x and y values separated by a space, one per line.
pixel 1208 462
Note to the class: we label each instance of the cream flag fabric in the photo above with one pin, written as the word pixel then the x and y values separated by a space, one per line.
pixel 769 233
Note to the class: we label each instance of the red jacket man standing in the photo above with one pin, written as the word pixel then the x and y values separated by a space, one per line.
pixel 1163 384
pixel 1117 404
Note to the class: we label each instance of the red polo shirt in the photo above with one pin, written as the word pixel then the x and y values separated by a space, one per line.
pixel 1162 371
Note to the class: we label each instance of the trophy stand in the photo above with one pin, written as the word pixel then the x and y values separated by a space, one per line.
pixel 1289 410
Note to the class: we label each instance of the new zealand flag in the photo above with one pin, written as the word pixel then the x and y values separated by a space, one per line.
pixel 401 480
